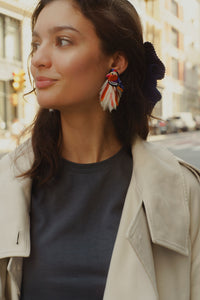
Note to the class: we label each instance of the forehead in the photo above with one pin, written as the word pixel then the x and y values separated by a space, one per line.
pixel 61 13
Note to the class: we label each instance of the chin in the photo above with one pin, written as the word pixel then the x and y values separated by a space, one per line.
pixel 46 105
pixel 46 102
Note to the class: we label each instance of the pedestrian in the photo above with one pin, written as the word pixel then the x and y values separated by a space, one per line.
pixel 88 208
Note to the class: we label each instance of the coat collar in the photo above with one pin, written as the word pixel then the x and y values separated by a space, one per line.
pixel 159 178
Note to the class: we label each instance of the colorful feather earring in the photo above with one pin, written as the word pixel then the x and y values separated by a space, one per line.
pixel 111 91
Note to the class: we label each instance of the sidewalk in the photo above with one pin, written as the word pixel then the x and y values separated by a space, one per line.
pixel 154 138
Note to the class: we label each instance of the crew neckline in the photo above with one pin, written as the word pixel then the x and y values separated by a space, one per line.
pixel 92 166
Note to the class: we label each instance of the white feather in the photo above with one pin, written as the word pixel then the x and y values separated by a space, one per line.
pixel 109 99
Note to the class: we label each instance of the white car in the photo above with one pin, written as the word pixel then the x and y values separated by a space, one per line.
pixel 188 120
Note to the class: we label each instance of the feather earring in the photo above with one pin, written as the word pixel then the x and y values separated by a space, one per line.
pixel 111 91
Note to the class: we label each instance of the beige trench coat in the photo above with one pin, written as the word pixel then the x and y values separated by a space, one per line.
pixel 157 250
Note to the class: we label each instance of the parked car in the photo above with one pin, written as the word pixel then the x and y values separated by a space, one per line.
pixel 197 122
pixel 158 126
pixel 188 120
pixel 176 124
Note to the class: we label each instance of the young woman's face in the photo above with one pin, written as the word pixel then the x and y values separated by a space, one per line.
pixel 68 65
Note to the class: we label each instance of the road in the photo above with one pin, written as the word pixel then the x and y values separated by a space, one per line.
pixel 184 145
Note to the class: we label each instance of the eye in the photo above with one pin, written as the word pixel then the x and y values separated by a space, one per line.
pixel 35 46
pixel 61 41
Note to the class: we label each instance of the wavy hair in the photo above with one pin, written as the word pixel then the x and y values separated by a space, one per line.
pixel 118 27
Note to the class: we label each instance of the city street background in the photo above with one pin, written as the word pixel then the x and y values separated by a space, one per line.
pixel 173 26
pixel 185 145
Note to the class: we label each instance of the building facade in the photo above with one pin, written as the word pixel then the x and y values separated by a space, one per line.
pixel 173 26
pixel 15 40
pixel 191 96
pixel 181 53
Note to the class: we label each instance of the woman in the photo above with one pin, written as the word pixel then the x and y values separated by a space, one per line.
pixel 111 216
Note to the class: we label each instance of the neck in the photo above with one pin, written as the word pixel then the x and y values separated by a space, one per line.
pixel 88 137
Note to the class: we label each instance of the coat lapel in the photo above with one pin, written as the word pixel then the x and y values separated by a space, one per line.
pixel 162 185
pixel 131 267
pixel 139 238
pixel 155 211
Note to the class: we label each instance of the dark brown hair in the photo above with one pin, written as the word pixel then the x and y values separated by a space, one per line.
pixel 118 27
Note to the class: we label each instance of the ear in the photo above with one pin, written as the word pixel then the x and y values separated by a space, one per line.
pixel 120 62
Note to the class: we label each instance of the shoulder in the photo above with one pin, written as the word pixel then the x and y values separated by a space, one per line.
pixel 156 165
pixel 191 172
pixel 170 186
pixel 192 184
pixel 191 175
pixel 158 153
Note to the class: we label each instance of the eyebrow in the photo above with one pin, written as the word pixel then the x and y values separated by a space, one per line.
pixel 57 29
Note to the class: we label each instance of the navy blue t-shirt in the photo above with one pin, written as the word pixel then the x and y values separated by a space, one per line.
pixel 74 222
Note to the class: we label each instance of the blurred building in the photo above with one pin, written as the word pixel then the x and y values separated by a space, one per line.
pixel 15 39
pixel 191 96
pixel 173 26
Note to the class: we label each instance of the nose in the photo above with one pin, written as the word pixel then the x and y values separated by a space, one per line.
pixel 42 58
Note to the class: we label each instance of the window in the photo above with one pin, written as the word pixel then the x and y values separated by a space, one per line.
pixel 176 105
pixel 174 7
pixel 152 8
pixel 8 110
pixel 174 37
pixel 153 35
pixel 10 38
pixel 150 33
pixel 1 37
pixel 191 76
pixel 175 68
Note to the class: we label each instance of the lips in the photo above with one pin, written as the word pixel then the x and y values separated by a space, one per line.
pixel 44 82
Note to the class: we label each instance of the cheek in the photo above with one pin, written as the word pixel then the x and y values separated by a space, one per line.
pixel 81 65
pixel 76 68
pixel 32 69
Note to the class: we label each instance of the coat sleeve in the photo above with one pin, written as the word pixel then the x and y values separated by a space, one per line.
pixel 195 243
pixel 193 188
pixel 3 270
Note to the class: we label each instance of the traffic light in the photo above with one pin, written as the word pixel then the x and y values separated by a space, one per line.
pixel 18 80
